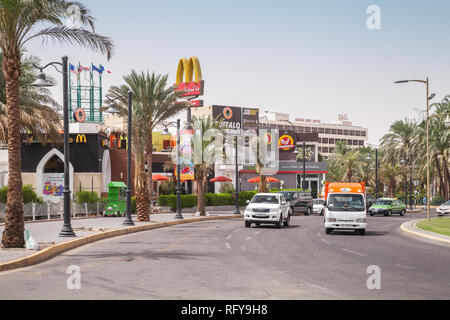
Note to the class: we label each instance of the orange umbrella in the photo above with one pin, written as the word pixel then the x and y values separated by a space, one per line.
pixel 158 177
pixel 220 179
pixel 268 179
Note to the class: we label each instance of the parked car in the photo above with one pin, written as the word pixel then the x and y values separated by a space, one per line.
pixel 267 208
pixel 300 201
pixel 388 207
pixel 319 206
pixel 444 209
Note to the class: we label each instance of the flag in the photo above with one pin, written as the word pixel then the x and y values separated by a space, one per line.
pixel 83 68
pixel 72 68
pixel 99 70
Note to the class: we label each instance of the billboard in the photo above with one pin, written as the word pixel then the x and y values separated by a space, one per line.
pixel 231 118
pixel 187 69
pixel 187 166
pixel 250 119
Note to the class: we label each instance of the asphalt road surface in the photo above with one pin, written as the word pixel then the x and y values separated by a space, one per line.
pixel 223 260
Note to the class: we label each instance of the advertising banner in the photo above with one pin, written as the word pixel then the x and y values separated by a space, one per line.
pixel 53 186
pixel 231 116
pixel 187 165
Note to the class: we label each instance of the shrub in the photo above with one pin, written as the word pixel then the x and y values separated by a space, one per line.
pixel 227 187
pixel 133 205
pixel 187 201
pixel 28 195
pixel 437 201
pixel 219 199
pixel 87 197
pixel 246 195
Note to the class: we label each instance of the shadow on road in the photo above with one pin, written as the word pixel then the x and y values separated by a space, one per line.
pixel 354 234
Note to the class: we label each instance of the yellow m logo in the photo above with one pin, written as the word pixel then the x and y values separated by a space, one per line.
pixel 186 70
pixel 81 138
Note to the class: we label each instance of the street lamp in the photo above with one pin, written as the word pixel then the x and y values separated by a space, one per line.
pixel 42 81
pixel 113 110
pixel 428 98
pixel 166 132
pixel 376 169
pixel 403 162
pixel 304 164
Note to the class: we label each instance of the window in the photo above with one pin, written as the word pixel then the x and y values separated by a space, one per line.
pixel 352 133
pixel 331 141
pixel 346 133
pixel 327 131
pixel 325 140
pixel 314 129
pixel 321 130
pixel 320 149
pixel 350 142
pixel 358 133
pixel 325 150
pixel 301 129
pixel 355 142
pixel 331 150
pixel 307 129
pixel 361 142
pixel 340 131
pixel 363 133
pixel 333 131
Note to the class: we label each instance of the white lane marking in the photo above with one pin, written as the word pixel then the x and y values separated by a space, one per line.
pixel 238 230
pixel 354 252
pixel 257 232
pixel 326 241
pixel 228 245
pixel 249 238
pixel 405 267
pixel 319 234
pixel 229 237
pixel 243 248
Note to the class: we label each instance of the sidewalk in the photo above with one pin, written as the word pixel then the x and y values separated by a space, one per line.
pixel 410 227
pixel 46 233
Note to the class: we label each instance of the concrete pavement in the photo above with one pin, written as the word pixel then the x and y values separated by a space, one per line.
pixel 46 232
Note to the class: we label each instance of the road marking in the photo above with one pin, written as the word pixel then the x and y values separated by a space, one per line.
pixel 327 242
pixel 405 267
pixel 249 238
pixel 257 232
pixel 319 234
pixel 229 237
pixel 243 248
pixel 236 231
pixel 354 252
pixel 228 245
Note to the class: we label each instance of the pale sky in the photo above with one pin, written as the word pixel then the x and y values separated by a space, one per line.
pixel 312 59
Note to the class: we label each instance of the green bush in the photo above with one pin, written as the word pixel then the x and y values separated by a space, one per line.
pixel 246 195
pixel 87 197
pixel 437 201
pixel 227 187
pixel 28 195
pixel 218 199
pixel 133 205
pixel 187 201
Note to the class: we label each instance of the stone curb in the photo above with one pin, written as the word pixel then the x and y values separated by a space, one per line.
pixel 51 252
pixel 411 228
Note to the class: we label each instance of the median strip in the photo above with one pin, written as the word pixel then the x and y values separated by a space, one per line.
pixel 53 251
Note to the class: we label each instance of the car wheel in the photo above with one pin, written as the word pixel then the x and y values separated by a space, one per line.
pixel 288 221
pixel 371 214
pixel 248 224
pixel 329 231
pixel 402 213
pixel 321 212
pixel 279 223
pixel 362 232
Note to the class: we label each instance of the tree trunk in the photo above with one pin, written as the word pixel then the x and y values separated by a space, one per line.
pixel 142 192
pixel 263 184
pixel 349 175
pixel 441 180
pixel 447 175
pixel 201 193
pixel 13 236
pixel 150 169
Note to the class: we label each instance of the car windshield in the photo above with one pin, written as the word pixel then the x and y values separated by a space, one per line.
pixel 447 203
pixel 383 203
pixel 346 202
pixel 287 195
pixel 319 201
pixel 265 199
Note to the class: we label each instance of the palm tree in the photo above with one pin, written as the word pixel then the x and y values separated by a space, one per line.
pixel 391 174
pixel 347 158
pixel 38 111
pixel 399 141
pixel 20 22
pixel 153 102
pixel 204 147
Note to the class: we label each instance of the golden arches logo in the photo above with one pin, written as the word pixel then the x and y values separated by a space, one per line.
pixel 81 138
pixel 187 68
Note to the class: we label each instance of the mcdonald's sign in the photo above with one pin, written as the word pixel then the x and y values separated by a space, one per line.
pixel 81 138
pixel 187 69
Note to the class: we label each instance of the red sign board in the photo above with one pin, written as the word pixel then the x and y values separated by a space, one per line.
pixel 194 89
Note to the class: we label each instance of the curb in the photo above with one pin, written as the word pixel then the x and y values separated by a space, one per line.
pixel 51 252
pixel 411 228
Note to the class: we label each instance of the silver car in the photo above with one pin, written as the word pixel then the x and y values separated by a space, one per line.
pixel 444 209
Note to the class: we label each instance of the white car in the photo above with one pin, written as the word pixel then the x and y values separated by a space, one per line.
pixel 318 206
pixel 267 208
pixel 444 209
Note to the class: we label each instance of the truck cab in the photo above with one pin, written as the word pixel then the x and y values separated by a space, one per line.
pixel 345 207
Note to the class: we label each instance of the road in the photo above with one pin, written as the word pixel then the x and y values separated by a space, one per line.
pixel 223 260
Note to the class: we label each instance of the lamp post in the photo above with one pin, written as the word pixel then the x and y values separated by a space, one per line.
pixel 376 169
pixel 405 181
pixel 237 212
pixel 167 133
pixel 113 110
pixel 42 81
pixel 428 98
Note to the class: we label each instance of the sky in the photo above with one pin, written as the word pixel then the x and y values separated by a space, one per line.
pixel 311 59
